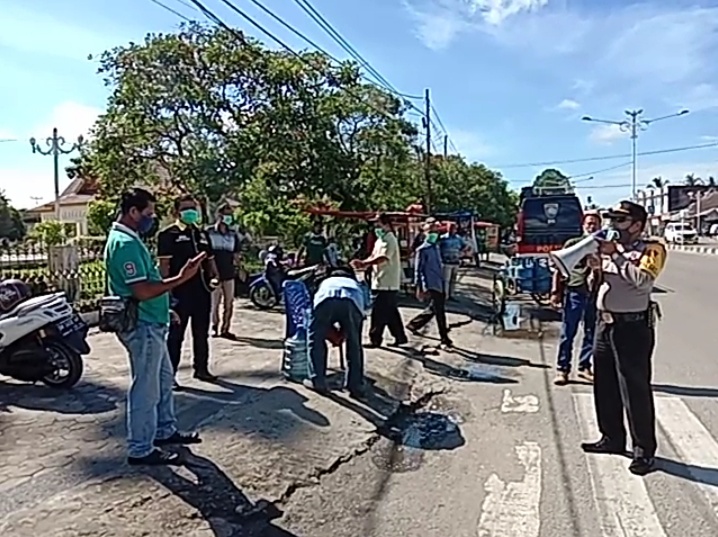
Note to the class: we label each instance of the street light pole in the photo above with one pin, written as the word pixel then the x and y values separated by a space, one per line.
pixel 56 146
pixel 633 124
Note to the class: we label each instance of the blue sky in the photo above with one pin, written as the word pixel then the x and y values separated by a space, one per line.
pixel 510 79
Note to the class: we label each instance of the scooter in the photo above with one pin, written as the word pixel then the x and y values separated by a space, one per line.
pixel 263 294
pixel 43 339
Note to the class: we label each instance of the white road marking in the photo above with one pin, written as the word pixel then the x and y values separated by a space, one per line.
pixel 624 506
pixel 694 443
pixel 512 509
pixel 528 404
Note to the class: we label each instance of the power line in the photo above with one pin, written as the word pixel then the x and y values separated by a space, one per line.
pixel 322 22
pixel 608 157
pixel 603 170
pixel 173 11
pixel 214 18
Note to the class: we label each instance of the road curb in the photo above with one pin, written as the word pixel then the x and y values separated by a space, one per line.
pixel 709 250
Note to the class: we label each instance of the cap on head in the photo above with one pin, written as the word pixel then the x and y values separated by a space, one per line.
pixel 628 209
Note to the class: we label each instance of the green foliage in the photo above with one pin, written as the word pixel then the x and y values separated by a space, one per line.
pixel 205 112
pixel 50 233
pixel 100 215
pixel 551 177
pixel 12 228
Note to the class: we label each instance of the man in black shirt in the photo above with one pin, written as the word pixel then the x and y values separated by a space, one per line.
pixel 178 243
pixel 226 247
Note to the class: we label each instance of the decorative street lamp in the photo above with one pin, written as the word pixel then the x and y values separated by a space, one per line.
pixel 633 124
pixel 56 146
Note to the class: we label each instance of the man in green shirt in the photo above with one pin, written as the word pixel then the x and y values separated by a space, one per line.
pixel 132 273
pixel 577 297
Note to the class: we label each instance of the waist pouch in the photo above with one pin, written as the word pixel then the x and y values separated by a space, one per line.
pixel 118 314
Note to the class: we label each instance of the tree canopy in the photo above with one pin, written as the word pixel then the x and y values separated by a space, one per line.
pixel 12 227
pixel 211 112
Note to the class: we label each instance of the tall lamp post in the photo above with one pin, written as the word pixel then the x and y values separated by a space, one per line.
pixel 56 146
pixel 633 124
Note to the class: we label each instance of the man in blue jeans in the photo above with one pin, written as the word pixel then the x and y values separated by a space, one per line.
pixel 577 297
pixel 132 272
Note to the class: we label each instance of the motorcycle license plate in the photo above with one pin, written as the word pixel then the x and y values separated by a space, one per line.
pixel 70 325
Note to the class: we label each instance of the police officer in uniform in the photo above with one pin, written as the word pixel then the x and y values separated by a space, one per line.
pixel 625 338
pixel 192 301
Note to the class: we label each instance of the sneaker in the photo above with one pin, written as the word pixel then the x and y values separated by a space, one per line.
pixel 399 342
pixel 156 458
pixel 179 439
pixel 215 331
pixel 561 378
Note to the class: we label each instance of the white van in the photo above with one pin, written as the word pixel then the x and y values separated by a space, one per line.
pixel 680 233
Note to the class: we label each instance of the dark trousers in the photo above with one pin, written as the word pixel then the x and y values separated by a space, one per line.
pixel 385 314
pixel 436 308
pixel 578 306
pixel 341 311
pixel 622 380
pixel 193 309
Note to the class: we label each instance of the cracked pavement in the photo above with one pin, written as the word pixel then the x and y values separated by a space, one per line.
pixel 277 459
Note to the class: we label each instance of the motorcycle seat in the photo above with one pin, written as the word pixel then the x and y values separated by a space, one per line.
pixel 33 303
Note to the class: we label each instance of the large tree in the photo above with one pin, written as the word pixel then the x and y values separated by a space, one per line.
pixel 209 111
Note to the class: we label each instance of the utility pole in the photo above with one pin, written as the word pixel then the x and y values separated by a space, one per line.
pixel 427 157
pixel 56 146
pixel 633 124
pixel 446 145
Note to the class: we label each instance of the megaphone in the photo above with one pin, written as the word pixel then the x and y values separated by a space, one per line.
pixel 566 259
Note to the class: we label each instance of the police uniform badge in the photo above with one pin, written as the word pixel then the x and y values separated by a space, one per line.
pixel 653 259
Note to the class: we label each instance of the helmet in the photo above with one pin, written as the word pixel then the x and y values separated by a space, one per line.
pixel 12 292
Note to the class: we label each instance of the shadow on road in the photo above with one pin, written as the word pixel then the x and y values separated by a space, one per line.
pixel 687 391
pixel 261 343
pixel 496 360
pixel 87 397
pixel 219 501
pixel 690 472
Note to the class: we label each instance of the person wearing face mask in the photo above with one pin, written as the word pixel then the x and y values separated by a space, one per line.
pixel 226 247
pixel 176 244
pixel 386 275
pixel 576 297
pixel 625 338
pixel 430 284
pixel 132 274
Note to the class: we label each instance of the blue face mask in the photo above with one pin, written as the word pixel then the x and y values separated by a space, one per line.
pixel 145 224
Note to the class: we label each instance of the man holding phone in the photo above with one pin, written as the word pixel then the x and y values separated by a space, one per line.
pixel 132 273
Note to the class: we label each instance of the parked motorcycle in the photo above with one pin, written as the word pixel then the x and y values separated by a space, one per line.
pixel 43 339
pixel 264 294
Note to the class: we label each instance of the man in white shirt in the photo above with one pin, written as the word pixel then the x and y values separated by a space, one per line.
pixel 385 261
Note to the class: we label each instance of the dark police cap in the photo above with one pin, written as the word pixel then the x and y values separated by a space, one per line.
pixel 627 209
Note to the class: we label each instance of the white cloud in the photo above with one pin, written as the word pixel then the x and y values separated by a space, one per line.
pixel 568 104
pixel 653 53
pixel 439 22
pixel 607 134
pixel 7 134
pixel 71 119
pixel 471 145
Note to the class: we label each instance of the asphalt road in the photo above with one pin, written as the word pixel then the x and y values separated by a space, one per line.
pixel 516 469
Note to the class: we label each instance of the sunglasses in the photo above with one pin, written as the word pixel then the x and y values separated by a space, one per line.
pixel 620 219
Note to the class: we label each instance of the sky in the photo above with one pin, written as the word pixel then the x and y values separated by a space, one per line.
pixel 509 79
